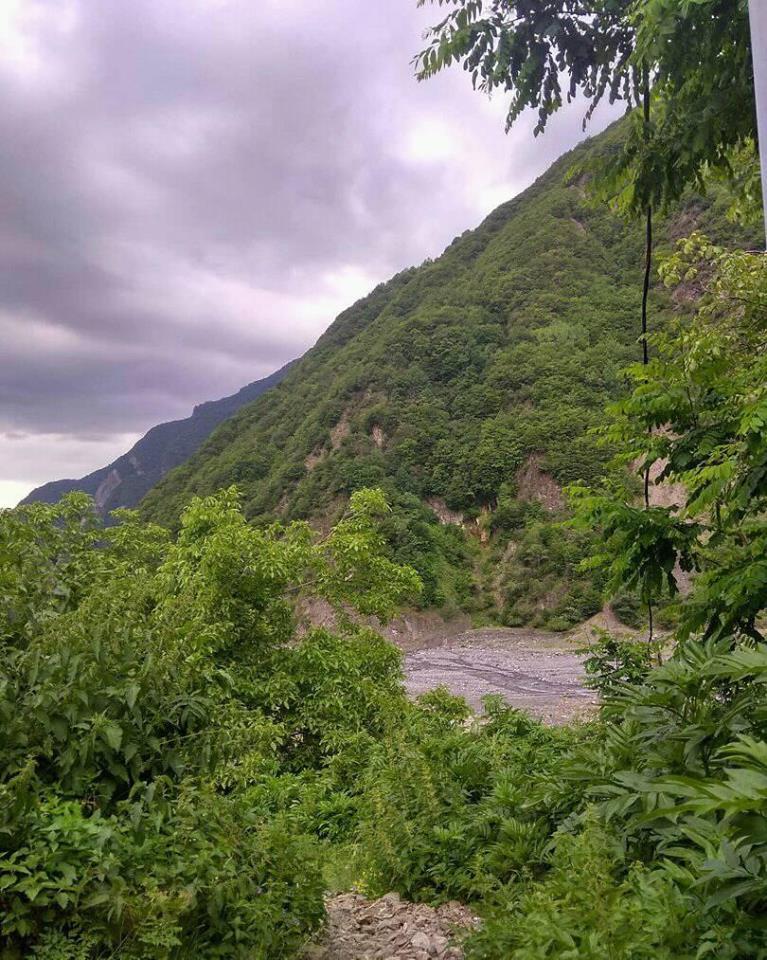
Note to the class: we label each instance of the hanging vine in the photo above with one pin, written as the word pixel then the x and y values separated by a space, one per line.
pixel 645 295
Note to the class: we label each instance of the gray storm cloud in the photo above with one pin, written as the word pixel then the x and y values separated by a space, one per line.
pixel 192 189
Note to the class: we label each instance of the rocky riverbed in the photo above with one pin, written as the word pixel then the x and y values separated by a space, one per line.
pixel 533 670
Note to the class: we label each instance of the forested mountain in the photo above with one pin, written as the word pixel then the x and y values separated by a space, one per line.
pixel 466 388
pixel 126 480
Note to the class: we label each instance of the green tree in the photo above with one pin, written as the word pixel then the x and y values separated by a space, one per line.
pixel 156 707
pixel 698 414
pixel 693 54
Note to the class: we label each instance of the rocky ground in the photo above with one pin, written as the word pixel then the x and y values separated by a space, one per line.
pixel 390 929
pixel 534 670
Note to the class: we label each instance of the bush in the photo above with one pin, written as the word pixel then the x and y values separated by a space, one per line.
pixel 542 578
pixel 195 874
pixel 443 810
pixel 592 906
pixel 628 609
pixel 611 662
pixel 164 734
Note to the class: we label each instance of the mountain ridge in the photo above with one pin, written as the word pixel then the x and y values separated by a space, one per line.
pixel 124 481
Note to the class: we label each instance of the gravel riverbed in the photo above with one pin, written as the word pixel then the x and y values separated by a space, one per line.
pixel 533 670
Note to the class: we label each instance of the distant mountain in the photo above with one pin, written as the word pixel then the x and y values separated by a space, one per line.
pixel 126 480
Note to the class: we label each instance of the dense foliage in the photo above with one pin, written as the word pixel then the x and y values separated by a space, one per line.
pixel 179 764
pixel 465 388
pixel 643 835
pixel 181 760
pixel 155 715
pixel 698 412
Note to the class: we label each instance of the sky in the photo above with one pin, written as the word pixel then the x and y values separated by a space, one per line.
pixel 191 190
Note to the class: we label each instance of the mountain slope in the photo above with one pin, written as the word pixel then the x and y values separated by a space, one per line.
pixel 126 480
pixel 466 387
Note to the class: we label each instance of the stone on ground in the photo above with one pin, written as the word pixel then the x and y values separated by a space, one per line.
pixel 391 929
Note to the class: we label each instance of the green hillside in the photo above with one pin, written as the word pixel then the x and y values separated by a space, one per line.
pixel 466 388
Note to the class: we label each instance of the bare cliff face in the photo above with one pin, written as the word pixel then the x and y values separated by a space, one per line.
pixel 124 482
pixel 108 486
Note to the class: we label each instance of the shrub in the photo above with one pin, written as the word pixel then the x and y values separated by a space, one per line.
pixel 612 662
pixel 164 733
pixel 593 906
pixel 443 812
pixel 628 609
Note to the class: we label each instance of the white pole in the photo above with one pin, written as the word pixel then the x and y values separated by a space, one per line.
pixel 757 10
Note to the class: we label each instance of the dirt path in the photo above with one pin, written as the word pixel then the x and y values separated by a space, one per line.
pixel 536 671
pixel 390 929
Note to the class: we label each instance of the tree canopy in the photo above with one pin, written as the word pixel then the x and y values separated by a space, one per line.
pixel 694 55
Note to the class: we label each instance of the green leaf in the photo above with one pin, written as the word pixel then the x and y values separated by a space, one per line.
pixel 112 734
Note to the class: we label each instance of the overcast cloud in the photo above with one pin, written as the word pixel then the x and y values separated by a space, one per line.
pixel 190 190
